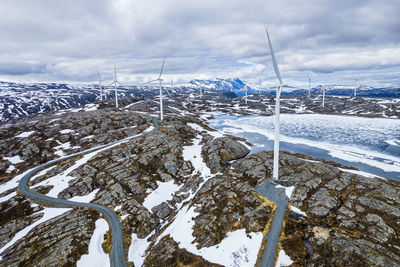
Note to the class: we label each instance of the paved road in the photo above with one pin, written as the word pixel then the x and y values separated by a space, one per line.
pixel 117 258
pixel 278 196
pixel 156 120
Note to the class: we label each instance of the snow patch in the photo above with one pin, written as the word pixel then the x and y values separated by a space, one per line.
pixel 298 211
pixel 193 154
pixel 236 249
pixel 137 249
pixel 117 208
pixel 283 259
pixel 25 134
pixel 288 190
pixel 197 127
pixel 164 192
pixel 14 160
pixel 87 198
pixel 10 169
pixel 96 256
pixel 66 131
pixel 91 107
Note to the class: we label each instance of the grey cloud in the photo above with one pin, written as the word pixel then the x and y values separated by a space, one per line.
pixel 14 68
pixel 200 38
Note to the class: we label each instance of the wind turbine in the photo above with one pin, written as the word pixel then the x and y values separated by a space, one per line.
pixel 277 111
pixel 355 87
pixel 323 96
pixel 309 85
pixel 115 82
pixel 161 96
pixel 101 87
pixel 246 96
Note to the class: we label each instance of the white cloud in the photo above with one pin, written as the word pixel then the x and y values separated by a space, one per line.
pixel 68 41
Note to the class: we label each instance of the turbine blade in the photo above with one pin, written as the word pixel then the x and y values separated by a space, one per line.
pixel 111 83
pixel 162 68
pixel 167 91
pixel 276 69
pixel 98 74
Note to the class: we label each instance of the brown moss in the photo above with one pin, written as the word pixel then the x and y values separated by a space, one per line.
pixel 107 243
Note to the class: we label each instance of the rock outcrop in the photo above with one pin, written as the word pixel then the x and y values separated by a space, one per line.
pixel 219 151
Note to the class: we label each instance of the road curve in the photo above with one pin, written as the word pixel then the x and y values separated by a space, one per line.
pixel 278 196
pixel 117 258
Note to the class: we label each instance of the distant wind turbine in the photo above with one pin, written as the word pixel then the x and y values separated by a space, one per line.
pixel 309 85
pixel 101 87
pixel 246 96
pixel 323 96
pixel 161 96
pixel 115 82
pixel 355 87
pixel 277 111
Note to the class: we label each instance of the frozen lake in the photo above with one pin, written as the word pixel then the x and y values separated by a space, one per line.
pixel 369 144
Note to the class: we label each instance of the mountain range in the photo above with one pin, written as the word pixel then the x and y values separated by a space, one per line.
pixel 21 99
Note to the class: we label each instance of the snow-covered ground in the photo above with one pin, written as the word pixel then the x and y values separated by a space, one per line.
pixel 370 144
pixel 96 256
pixel 283 259
pixel 163 193
pixel 236 249
pixel 25 134
pixel 14 160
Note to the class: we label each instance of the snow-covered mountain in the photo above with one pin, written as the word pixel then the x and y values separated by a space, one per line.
pixel 21 99
pixel 239 87
pixel 348 90
pixel 235 85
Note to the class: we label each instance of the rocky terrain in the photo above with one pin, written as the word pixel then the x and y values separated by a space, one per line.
pixel 344 218
pixel 188 176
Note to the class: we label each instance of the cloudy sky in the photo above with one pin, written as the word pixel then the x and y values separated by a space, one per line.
pixel 332 41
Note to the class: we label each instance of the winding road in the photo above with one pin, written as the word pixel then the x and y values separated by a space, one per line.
pixel 278 196
pixel 117 258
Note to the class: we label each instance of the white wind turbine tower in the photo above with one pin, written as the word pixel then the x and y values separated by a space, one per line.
pixel 355 87
pixel 277 112
pixel 161 96
pixel 115 82
pixel 101 87
pixel 309 85
pixel 246 96
pixel 323 96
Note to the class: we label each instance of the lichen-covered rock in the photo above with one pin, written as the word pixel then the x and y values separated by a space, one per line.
pixel 350 219
pixel 226 204
pixel 57 242
pixel 167 253
pixel 219 151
